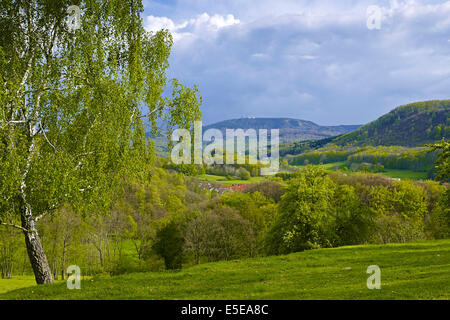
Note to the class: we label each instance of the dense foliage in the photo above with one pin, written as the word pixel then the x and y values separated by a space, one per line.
pixel 411 125
pixel 394 157
pixel 443 162
pixel 170 221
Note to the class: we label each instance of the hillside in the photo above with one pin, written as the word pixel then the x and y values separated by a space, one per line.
pixel 408 271
pixel 411 125
pixel 290 129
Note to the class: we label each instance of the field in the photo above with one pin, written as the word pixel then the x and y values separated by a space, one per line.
pixel 405 174
pixel 393 173
pixel 408 271
pixel 16 283
pixel 224 181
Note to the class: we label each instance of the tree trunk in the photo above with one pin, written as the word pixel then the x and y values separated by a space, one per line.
pixel 36 254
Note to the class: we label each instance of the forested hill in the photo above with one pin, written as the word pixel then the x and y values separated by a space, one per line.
pixel 411 125
pixel 290 129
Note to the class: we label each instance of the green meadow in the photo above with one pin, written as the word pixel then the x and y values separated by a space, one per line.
pixel 419 270
pixel 393 173
pixel 226 182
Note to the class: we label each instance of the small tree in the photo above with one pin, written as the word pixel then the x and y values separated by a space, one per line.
pixel 169 245
pixel 353 220
pixel 443 175
pixel 243 174
pixel 9 249
pixel 303 211
pixel 443 162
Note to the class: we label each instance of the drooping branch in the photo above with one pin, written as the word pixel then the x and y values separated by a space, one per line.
pixel 14 226
pixel 46 138
pixel 159 108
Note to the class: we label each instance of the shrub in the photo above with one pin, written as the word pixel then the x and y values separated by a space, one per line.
pixel 270 189
pixel 221 234
pixel 125 264
pixel 400 212
pixel 243 174
pixel 169 245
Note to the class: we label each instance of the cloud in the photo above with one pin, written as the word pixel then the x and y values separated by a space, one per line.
pixel 314 60
pixel 202 25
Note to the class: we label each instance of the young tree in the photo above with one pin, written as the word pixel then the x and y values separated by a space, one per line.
pixel 243 174
pixel 72 101
pixel 443 162
pixel 304 211
pixel 353 220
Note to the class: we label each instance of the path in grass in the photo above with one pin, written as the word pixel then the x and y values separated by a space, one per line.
pixel 408 271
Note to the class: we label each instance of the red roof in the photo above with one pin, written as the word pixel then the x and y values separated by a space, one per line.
pixel 237 187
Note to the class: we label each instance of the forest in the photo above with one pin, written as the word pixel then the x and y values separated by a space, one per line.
pixel 171 222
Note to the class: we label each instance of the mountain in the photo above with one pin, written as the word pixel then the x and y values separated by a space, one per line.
pixel 410 125
pixel 290 129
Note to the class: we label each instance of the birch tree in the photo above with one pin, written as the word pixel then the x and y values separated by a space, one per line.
pixel 73 106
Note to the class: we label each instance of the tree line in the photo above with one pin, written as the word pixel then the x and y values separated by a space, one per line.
pixel 393 157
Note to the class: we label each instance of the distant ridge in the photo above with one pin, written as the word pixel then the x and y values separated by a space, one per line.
pixel 411 125
pixel 290 129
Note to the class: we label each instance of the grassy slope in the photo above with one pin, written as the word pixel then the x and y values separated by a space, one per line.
pixel 408 271
pixel 16 283
pixel 404 126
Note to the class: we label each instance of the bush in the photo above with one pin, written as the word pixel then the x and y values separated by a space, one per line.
pixel 438 224
pixel 243 174
pixel 221 234
pixel 169 245
pixel 270 189
pixel 124 265
pixel 400 212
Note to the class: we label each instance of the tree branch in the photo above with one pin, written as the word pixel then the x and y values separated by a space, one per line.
pixel 14 226
pixel 45 136
pixel 154 110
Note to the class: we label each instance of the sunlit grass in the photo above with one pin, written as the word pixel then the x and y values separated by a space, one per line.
pixel 226 182
pixel 405 174
pixel 393 173
pixel 408 271
pixel 17 282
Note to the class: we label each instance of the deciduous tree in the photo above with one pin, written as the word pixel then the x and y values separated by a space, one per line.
pixel 73 104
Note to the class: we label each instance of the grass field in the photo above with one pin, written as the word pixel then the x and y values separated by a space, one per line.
pixel 224 181
pixel 393 173
pixel 405 174
pixel 16 283
pixel 408 271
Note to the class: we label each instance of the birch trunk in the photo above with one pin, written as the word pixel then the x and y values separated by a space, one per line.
pixel 36 254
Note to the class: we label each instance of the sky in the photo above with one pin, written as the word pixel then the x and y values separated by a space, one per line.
pixel 330 62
